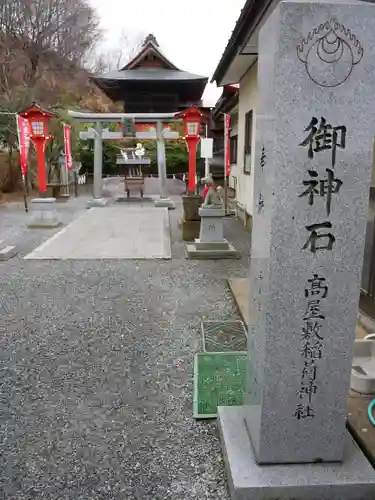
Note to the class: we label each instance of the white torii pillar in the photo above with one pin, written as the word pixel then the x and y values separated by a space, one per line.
pixel 163 201
pixel 98 161
pixel 97 199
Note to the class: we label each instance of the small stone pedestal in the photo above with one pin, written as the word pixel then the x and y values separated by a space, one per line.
pixel 44 213
pixel 98 202
pixel 211 243
pixel 164 203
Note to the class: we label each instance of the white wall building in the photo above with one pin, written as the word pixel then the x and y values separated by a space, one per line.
pixel 238 65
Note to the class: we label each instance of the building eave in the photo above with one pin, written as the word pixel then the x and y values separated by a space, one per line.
pixel 149 75
pixel 226 103
pixel 251 15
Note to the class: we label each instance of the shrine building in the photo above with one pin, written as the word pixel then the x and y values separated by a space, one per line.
pixel 150 83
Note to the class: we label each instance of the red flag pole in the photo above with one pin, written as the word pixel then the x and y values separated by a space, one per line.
pixel 22 159
pixel 68 153
pixel 226 159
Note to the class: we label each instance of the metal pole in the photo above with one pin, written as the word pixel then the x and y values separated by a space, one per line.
pixel 24 193
pixel 98 161
pixel 160 144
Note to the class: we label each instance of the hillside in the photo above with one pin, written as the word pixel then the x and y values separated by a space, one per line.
pixel 57 81
pixel 58 84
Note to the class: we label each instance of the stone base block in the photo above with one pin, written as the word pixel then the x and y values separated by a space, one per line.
pixel 190 229
pixel 211 245
pixel 43 213
pixel 192 252
pixel 7 252
pixel 164 203
pixel 351 479
pixel 98 202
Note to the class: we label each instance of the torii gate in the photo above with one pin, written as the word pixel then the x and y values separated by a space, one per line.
pixel 100 135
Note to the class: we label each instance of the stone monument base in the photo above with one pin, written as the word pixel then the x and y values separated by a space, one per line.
pixel 164 203
pixel 351 479
pixel 98 202
pixel 211 243
pixel 44 213
pixel 211 250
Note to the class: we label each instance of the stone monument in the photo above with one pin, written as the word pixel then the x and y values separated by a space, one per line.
pixel 211 243
pixel 314 139
pixel 43 213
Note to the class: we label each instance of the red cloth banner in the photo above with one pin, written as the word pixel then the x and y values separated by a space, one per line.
pixel 68 147
pixel 23 131
pixel 227 143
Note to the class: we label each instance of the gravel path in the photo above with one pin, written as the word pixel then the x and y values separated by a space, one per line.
pixel 96 371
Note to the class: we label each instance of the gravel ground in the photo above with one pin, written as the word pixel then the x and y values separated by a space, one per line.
pixel 96 371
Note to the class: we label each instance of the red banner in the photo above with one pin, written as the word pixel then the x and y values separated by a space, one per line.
pixel 23 131
pixel 227 143
pixel 68 147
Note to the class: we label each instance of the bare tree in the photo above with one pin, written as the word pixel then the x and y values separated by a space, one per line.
pixel 47 29
pixel 104 61
pixel 39 40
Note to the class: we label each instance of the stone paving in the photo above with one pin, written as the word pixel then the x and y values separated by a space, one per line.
pixel 96 364
pixel 118 232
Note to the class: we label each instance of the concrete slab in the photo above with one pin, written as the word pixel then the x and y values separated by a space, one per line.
pixel 7 252
pixel 119 232
pixel 241 294
pixel 351 479
pixel 99 202
pixel 164 203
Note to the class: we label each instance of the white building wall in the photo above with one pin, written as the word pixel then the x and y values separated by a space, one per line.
pixel 247 102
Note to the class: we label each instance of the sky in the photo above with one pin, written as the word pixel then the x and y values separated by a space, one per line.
pixel 191 33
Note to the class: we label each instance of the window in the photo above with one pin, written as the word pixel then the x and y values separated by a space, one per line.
pixel 248 142
pixel 233 149
pixel 37 128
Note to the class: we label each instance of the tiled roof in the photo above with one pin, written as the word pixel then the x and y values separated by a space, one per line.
pixel 150 74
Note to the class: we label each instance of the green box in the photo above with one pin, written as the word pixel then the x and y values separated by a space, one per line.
pixel 219 380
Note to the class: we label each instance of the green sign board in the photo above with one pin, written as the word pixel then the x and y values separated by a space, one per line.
pixel 219 380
